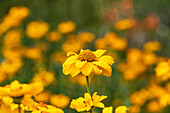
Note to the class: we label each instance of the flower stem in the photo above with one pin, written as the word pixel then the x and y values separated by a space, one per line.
pixel 19 108
pixel 87 84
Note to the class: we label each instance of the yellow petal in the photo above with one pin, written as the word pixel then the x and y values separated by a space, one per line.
pixel 99 104
pixel 70 53
pixel 87 68
pixel 80 64
pixel 108 110
pixel 106 58
pixel 74 71
pixel 106 69
pixel 69 61
pixel 87 96
pixel 96 69
pixel 99 52
pixel 121 109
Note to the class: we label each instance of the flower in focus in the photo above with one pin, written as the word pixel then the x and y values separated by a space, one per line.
pixel 121 109
pixel 37 29
pixel 59 100
pixel 86 62
pixel 108 110
pixel 124 24
pixel 86 103
pixel 66 27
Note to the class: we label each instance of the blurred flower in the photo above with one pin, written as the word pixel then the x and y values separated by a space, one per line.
pixel 86 103
pixel 152 46
pixel 15 89
pixel 44 77
pixel 43 96
pixel 163 69
pixel 13 18
pixel 149 58
pixel 53 36
pixel 59 100
pixel 28 104
pixel 88 61
pixel 81 79
pixel 134 109
pixel 121 109
pixel 7 105
pixel 152 21
pixel 37 29
pixel 72 45
pixel 124 24
pixel 66 27
pixel 33 53
pixel 11 66
pixel 108 110
pixel 85 37
pixel 154 106
pixel 58 57
pixel 111 40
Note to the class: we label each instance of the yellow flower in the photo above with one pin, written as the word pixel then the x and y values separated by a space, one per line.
pixel 59 100
pixel 33 53
pixel 124 24
pixel 37 29
pixel 66 27
pixel 162 69
pixel 86 103
pixel 88 61
pixel 15 89
pixel 44 77
pixel 121 109
pixel 28 104
pixel 154 106
pixel 53 36
pixel 108 110
pixel 152 46
pixel 7 105
pixel 43 96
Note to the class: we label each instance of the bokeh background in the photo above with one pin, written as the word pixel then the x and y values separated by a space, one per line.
pixel 35 36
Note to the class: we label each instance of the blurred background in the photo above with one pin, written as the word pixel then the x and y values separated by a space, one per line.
pixel 35 36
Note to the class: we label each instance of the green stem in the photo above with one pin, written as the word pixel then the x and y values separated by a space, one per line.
pixel 87 84
pixel 19 108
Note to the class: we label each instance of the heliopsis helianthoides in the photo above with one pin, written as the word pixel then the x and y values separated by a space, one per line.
pixel 88 61
pixel 28 104
pixel 88 102
pixel 15 89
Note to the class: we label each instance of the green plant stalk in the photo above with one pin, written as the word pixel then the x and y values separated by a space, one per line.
pixel 87 84
pixel 88 88
pixel 19 108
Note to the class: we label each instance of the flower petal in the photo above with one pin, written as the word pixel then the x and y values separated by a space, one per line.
pixel 87 69
pixel 106 58
pixel 99 52
pixel 106 69
pixel 69 61
pixel 108 110
pixel 87 96
pixel 96 69
pixel 99 104
pixel 74 71
pixel 70 53
pixel 80 64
